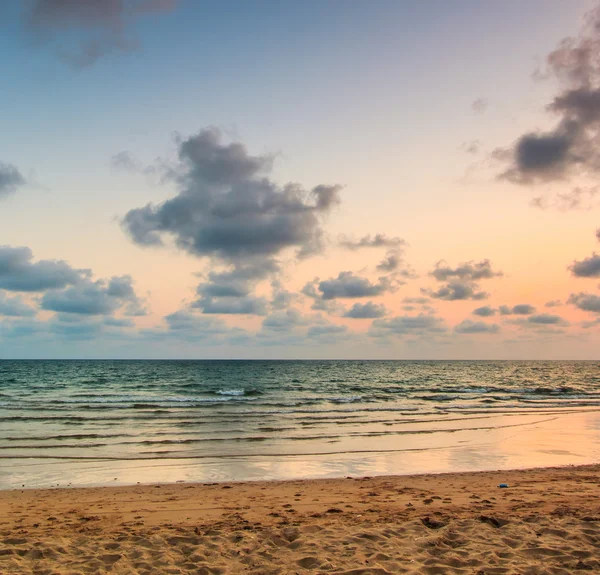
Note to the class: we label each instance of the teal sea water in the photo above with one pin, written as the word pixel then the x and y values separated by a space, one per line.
pixel 97 422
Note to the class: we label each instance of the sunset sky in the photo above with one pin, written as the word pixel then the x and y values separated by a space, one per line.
pixel 314 179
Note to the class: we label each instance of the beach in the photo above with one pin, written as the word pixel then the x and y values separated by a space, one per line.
pixel 546 521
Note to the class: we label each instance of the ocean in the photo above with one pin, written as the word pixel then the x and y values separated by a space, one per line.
pixel 119 422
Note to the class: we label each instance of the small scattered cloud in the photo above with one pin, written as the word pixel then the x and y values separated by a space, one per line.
pixel 415 325
pixel 346 285
pixel 579 198
pixel 471 147
pixel 586 268
pixel 546 319
pixel 585 301
pixel 11 179
pixel 520 309
pixel 368 241
pixel 83 31
pixel 485 311
pixel 479 105
pixel 456 290
pixel 553 303
pixel 472 271
pixel 472 327
pixel 368 310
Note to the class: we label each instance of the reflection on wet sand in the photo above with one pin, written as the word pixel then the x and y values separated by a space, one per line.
pixel 499 442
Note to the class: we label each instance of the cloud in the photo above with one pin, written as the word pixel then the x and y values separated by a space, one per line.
pixel 327 331
pixel 284 320
pixel 10 179
pixel 586 268
pixel 485 311
pixel 553 303
pixel 571 147
pixel 346 285
pixel 391 262
pixel 228 210
pixel 458 290
pixel 480 105
pixel 577 199
pixel 471 147
pixel 19 273
pixel 15 306
pixel 124 161
pixel 520 309
pixel 461 280
pixel 585 301
pixel 546 319
pixel 94 298
pixel 230 292
pixel 248 305
pixel 598 234
pixel 466 271
pixel 368 310
pixel 470 327
pixel 417 300
pixel 83 31
pixel 368 241
pixel 421 324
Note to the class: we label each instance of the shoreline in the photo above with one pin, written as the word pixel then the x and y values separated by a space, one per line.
pixel 592 467
pixel 546 521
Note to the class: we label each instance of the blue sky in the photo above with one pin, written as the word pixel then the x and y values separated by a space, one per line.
pixel 376 97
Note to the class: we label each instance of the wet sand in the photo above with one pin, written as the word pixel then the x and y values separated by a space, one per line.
pixel 546 521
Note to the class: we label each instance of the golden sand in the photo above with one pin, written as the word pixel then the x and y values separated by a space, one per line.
pixel 546 521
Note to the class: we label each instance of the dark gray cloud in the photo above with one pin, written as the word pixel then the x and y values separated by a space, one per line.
pixel 368 241
pixel 546 319
pixel 83 31
pixel 346 285
pixel 572 147
pixel 553 303
pixel 368 310
pixel 228 209
pixel 10 179
pixel 94 298
pixel 473 271
pixel 587 268
pixel 480 105
pixel 467 326
pixel 458 290
pixel 462 281
pixel 19 273
pixel 230 292
pixel 598 234
pixel 391 262
pixel 15 306
pixel 520 309
pixel 485 311
pixel 585 301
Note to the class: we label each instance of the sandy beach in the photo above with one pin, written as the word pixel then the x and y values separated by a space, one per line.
pixel 546 521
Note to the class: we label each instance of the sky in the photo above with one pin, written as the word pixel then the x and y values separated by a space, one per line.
pixel 316 179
